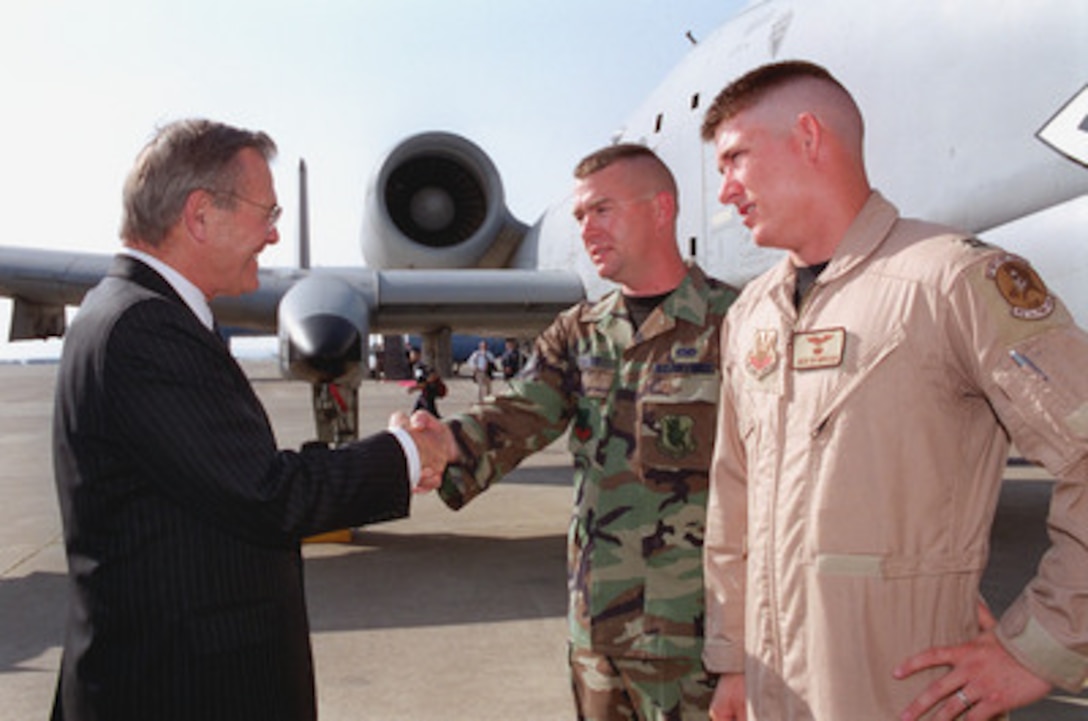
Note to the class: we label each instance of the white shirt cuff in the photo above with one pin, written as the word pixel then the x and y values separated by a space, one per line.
pixel 411 455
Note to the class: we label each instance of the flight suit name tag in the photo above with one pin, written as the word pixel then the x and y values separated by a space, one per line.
pixel 818 349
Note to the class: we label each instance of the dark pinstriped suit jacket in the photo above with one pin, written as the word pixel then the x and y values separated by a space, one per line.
pixel 182 520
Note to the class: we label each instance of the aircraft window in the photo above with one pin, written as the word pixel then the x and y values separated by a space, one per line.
pixel 695 101
pixel 692 244
pixel 659 122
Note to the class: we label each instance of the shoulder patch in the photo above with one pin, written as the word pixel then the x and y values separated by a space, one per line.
pixel 1021 287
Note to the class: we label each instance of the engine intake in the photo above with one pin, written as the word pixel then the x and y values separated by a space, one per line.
pixel 437 202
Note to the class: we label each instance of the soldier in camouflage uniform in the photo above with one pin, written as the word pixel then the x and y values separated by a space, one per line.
pixel 635 377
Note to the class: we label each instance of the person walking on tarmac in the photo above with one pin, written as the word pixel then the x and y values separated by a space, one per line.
pixel 511 359
pixel 482 363
pixel 428 383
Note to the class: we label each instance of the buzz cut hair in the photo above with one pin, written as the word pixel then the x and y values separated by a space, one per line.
pixel 657 172
pixel 606 156
pixel 752 87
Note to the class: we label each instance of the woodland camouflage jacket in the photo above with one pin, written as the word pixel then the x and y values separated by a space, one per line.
pixel 641 411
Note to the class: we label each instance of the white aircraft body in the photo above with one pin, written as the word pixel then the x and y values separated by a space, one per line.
pixel 976 114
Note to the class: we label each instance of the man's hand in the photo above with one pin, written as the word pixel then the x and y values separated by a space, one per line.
pixel 728 703
pixel 435 444
pixel 982 680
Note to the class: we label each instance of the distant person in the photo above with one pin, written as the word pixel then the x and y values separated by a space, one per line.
pixel 482 363
pixel 181 517
pixel 511 359
pixel 634 378
pixel 428 384
pixel 872 382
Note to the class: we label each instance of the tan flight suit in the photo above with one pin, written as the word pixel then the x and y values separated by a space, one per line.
pixel 868 433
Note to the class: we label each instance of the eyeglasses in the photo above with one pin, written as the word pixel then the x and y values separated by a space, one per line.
pixel 272 212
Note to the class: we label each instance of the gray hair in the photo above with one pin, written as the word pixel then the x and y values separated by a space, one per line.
pixel 184 156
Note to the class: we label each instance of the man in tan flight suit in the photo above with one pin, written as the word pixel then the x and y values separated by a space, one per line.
pixel 871 383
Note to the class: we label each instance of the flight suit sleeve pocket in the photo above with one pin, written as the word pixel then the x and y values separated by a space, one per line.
pixel 1044 399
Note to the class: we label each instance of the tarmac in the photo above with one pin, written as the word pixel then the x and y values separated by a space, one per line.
pixel 451 616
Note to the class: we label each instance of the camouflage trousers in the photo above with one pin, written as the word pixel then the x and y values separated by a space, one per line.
pixel 609 688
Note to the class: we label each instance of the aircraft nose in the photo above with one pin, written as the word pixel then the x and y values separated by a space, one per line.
pixel 324 347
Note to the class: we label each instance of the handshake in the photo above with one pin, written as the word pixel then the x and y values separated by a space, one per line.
pixel 435 443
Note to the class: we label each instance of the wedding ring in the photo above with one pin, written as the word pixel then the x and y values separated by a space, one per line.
pixel 963 699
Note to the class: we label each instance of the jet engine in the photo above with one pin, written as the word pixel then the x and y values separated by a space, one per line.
pixel 437 202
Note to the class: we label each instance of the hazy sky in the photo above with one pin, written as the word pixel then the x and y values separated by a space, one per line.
pixel 337 82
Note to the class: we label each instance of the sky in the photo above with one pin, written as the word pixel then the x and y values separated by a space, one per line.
pixel 339 83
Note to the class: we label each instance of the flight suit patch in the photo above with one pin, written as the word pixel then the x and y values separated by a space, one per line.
pixel 763 357
pixel 818 349
pixel 1021 287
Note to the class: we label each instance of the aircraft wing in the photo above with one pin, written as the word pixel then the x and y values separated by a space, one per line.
pixel 322 316
pixel 976 117
pixel 41 283
pixel 294 303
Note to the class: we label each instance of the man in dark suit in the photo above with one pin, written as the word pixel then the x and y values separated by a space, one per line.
pixel 182 519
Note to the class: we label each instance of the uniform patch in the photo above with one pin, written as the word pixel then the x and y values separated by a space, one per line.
pixel 676 436
pixel 763 357
pixel 1021 287
pixel 581 429
pixel 685 368
pixel 683 354
pixel 818 349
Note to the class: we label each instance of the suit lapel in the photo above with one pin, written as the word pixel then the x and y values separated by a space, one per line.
pixel 133 270
pixel 136 271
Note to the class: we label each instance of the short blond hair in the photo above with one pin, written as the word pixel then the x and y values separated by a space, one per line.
pixel 751 88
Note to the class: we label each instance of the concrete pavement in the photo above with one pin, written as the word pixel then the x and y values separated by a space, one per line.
pixel 440 616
